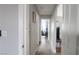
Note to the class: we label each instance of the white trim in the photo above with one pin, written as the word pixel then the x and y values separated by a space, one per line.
pixel 23 29
pixel 20 29
pixel 26 29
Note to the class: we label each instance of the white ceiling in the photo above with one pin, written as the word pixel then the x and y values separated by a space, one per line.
pixel 45 9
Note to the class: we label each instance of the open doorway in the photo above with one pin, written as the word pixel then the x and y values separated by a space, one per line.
pixel 44 43
pixel 58 40
pixel 45 29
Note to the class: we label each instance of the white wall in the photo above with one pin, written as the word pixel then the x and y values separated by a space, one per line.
pixel 34 32
pixel 9 26
pixel 53 31
pixel 70 29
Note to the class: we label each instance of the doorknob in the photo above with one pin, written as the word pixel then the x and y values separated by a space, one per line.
pixel 0 33
pixel 22 46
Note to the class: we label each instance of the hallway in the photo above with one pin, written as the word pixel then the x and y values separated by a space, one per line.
pixel 44 48
pixel 21 32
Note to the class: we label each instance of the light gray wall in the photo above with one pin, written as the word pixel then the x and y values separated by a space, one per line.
pixel 38 27
pixel 9 27
pixel 78 31
pixel 34 32
pixel 70 30
pixel 18 29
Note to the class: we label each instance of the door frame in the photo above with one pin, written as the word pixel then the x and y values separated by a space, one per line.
pixel 23 29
